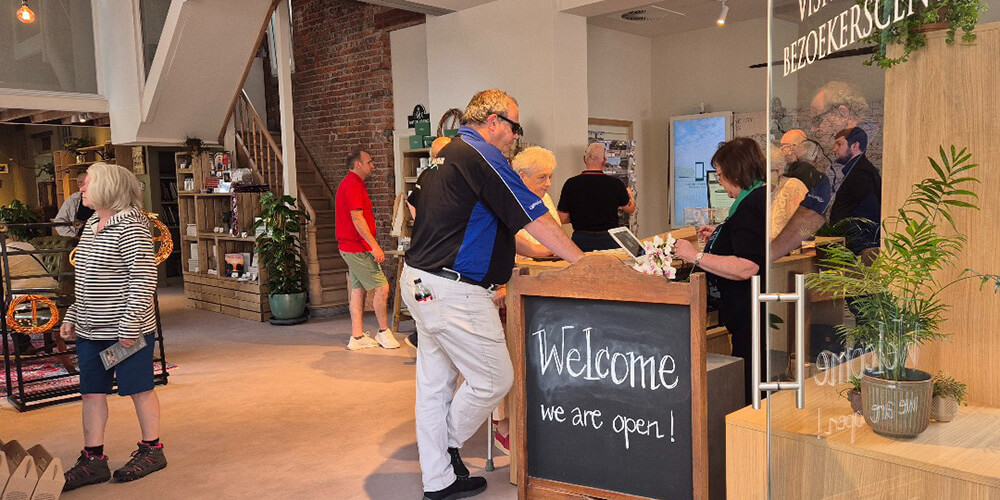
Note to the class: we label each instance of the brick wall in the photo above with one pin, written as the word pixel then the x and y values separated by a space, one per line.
pixel 342 91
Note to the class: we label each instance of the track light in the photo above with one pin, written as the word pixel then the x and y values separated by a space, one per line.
pixel 25 14
pixel 721 21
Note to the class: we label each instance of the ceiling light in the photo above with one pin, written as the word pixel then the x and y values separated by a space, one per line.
pixel 24 14
pixel 721 21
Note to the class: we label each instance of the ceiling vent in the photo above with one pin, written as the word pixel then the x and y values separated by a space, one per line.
pixel 647 14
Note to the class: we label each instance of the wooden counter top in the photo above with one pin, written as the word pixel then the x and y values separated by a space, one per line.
pixel 966 449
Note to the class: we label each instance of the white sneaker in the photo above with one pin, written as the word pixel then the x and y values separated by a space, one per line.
pixel 362 342
pixel 386 339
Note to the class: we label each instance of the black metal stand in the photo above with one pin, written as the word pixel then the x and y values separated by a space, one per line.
pixel 17 359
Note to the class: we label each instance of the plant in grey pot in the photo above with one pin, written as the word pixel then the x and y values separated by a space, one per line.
pixel 897 295
pixel 948 395
pixel 853 393
pixel 280 250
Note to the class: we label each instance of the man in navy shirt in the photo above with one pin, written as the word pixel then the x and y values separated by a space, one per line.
pixel 462 248
pixel 857 206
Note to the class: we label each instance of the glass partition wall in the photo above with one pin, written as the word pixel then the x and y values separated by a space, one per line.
pixel 53 53
pixel 824 152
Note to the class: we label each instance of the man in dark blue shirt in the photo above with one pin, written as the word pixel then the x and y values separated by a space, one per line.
pixel 462 248
pixel 857 206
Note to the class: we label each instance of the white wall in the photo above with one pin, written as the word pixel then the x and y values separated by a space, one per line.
pixel 254 87
pixel 408 47
pixel 619 87
pixel 710 66
pixel 532 51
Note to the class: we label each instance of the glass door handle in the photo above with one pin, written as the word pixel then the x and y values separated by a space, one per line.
pixel 799 297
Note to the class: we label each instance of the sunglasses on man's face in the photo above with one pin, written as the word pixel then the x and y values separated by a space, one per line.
pixel 514 126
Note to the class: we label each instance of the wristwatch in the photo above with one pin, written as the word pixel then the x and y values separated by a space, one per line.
pixel 697 258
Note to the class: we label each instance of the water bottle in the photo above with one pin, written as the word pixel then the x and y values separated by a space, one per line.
pixel 421 292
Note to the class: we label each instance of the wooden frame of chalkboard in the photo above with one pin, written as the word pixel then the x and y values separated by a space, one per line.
pixel 600 288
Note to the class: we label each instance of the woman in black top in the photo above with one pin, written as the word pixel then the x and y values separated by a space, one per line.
pixel 735 250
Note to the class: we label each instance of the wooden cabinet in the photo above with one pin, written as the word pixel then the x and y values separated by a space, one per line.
pixel 208 282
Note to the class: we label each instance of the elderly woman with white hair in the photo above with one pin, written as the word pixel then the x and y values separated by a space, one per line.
pixel 535 165
pixel 115 284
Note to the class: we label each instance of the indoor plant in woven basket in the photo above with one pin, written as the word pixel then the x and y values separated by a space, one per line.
pixel 897 295
pixel 948 395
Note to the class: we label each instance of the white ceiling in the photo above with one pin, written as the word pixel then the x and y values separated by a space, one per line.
pixel 698 14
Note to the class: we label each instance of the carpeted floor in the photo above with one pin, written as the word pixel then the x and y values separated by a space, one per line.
pixel 257 411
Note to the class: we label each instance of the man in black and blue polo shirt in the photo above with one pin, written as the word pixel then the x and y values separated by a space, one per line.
pixel 462 249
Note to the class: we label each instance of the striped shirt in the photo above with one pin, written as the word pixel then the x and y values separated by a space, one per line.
pixel 115 279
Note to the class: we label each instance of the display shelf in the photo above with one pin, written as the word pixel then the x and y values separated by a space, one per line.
pixel 206 211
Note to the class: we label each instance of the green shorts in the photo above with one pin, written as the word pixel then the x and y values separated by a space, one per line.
pixel 365 272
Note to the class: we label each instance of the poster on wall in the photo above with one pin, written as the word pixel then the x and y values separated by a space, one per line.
pixel 693 141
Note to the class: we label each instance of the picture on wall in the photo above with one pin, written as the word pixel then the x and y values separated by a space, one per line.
pixel 4 168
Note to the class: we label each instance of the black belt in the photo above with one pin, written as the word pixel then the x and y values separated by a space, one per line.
pixel 448 274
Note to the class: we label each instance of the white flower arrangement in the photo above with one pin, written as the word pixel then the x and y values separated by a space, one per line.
pixel 658 258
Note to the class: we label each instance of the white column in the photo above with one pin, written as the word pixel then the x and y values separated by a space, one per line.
pixel 283 55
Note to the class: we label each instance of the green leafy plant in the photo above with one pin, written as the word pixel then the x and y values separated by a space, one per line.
pixel 909 32
pixel 946 386
pixel 47 168
pixel 279 244
pixel 75 143
pixel 897 296
pixel 194 144
pixel 19 213
pixel 854 385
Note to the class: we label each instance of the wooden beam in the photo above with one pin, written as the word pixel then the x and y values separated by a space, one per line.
pixel 47 116
pixel 12 114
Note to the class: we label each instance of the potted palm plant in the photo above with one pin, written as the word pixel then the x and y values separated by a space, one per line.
pixel 898 295
pixel 278 230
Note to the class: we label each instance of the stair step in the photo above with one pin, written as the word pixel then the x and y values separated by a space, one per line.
pixel 336 295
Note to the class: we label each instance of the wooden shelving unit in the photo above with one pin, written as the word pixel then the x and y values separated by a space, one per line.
pixel 206 283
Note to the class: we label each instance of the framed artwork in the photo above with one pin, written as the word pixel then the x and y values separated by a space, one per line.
pixel 4 168
pixel 138 163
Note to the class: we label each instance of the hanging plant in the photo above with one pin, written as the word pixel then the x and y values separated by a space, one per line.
pixel 953 15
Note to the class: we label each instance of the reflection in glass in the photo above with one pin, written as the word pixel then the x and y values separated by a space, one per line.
pixel 54 53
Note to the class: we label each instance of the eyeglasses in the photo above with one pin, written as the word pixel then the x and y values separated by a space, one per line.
pixel 514 126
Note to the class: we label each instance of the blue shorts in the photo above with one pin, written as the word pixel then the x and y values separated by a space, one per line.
pixel 135 374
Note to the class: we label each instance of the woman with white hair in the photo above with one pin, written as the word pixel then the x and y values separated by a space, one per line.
pixel 115 284
pixel 535 165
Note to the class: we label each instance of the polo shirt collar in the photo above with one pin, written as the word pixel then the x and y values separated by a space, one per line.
pixel 470 135
pixel 349 172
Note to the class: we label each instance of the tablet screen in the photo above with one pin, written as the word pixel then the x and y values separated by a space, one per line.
pixel 628 241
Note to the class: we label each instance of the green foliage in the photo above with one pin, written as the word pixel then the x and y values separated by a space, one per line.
pixel 75 143
pixel 946 386
pixel 958 14
pixel 194 144
pixel 19 213
pixel 898 295
pixel 279 245
pixel 854 385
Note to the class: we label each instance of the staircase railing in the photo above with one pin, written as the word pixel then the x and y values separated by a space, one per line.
pixel 265 159
pixel 252 134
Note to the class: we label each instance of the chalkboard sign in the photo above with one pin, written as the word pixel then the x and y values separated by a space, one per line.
pixel 610 389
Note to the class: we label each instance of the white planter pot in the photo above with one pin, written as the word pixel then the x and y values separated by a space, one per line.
pixel 944 409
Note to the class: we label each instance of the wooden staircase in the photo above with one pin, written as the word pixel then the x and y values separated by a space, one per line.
pixel 333 292
pixel 326 269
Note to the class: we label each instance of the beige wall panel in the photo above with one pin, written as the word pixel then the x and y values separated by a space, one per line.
pixel 949 95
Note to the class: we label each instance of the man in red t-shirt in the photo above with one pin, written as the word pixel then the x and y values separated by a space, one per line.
pixel 355 229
